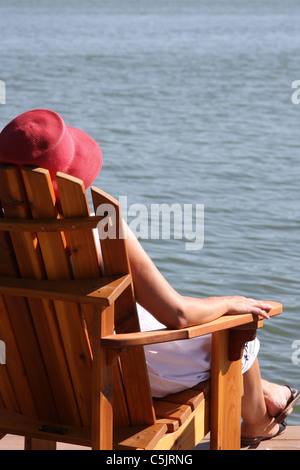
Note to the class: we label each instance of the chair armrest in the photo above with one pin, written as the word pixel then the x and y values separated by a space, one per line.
pixel 103 291
pixel 247 321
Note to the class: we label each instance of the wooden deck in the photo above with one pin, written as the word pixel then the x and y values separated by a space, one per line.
pixel 290 440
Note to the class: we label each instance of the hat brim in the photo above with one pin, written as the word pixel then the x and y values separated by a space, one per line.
pixel 87 160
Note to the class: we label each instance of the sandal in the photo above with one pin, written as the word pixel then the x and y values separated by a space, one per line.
pixel 250 441
pixel 295 396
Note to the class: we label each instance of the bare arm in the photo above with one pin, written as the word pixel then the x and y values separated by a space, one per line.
pixel 156 295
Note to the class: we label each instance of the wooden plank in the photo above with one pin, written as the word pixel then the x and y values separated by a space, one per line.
pixel 14 204
pixel 39 444
pixel 187 436
pixel 84 252
pixel 289 440
pixel 226 395
pixel 45 320
pixel 14 381
pixel 172 424
pixel 8 265
pixel 7 395
pixel 134 370
pixel 29 263
pixel 190 397
pixel 26 245
pixel 71 224
pixel 102 391
pixel 193 398
pixel 146 439
pixel 163 335
pixel 57 265
pixel 102 291
pixel 18 424
pixel 170 410
pixel 120 409
pixel 114 249
pixel 82 243
pixel 86 262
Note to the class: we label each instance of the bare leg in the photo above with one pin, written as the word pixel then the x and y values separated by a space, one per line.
pixel 256 419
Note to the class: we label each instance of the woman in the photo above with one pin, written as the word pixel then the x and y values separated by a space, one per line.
pixel 41 138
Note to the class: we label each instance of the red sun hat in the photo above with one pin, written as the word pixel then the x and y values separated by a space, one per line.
pixel 41 138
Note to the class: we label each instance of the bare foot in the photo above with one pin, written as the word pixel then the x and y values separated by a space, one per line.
pixel 276 397
pixel 259 430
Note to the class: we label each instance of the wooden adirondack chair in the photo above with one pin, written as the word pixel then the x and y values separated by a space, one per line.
pixel 75 368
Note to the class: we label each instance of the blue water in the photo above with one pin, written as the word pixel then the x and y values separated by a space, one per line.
pixel 190 102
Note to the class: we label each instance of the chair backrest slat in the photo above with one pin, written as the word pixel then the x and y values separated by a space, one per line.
pixel 24 370
pixel 116 262
pixel 86 259
pixel 58 266
pixel 82 243
pixel 14 384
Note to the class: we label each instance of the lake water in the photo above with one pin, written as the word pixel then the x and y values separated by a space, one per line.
pixel 191 103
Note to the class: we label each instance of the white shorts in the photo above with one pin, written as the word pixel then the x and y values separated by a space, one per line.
pixel 178 365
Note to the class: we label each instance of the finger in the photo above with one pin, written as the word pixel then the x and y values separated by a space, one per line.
pixel 260 312
pixel 264 305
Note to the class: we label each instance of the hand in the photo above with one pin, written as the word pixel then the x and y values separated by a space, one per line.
pixel 238 305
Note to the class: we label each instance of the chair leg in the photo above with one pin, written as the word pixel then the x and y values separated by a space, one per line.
pixel 102 389
pixel 39 444
pixel 226 395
